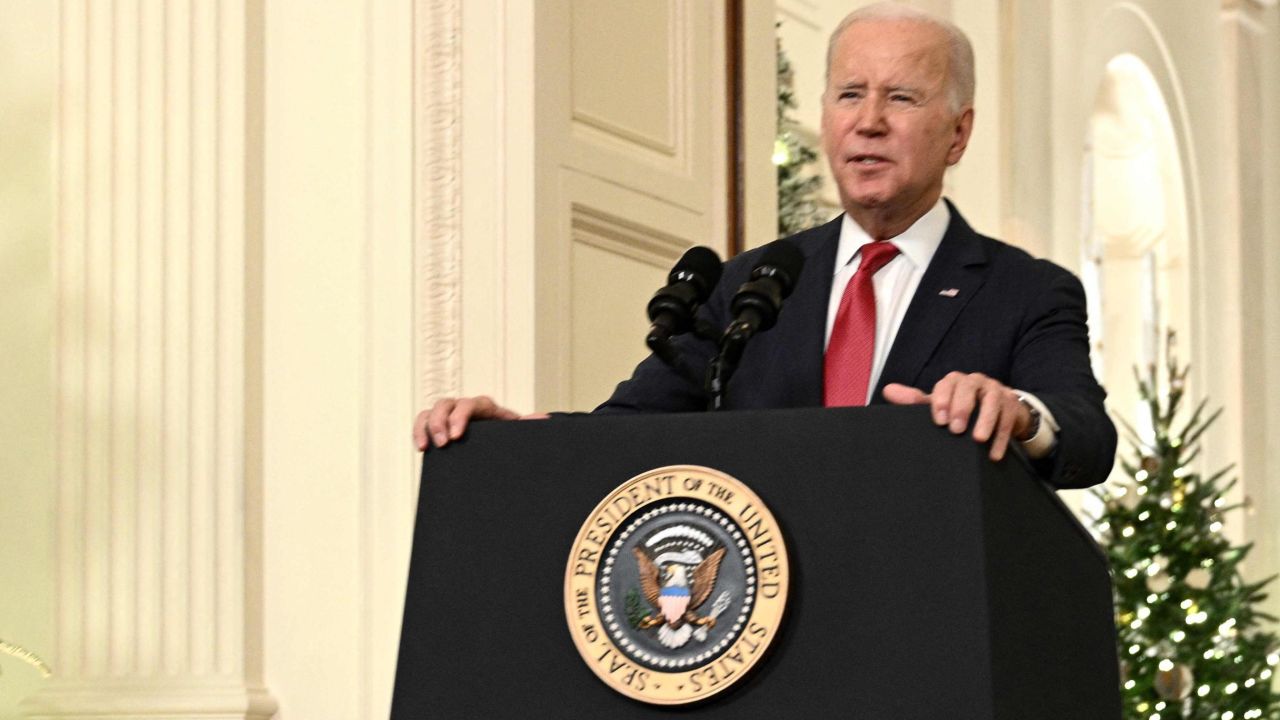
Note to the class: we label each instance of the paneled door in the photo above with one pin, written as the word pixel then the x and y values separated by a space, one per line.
pixel 630 171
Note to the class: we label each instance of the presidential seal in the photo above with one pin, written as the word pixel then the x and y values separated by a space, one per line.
pixel 676 585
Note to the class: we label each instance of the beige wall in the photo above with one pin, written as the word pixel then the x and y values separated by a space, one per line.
pixel 1251 38
pixel 28 64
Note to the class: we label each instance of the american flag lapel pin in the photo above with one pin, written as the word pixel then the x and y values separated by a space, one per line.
pixel 949 292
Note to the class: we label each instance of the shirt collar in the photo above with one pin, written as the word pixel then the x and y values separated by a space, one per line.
pixel 917 243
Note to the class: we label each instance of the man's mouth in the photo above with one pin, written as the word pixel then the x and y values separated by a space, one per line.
pixel 868 160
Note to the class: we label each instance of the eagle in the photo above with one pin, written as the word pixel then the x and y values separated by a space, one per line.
pixel 674 598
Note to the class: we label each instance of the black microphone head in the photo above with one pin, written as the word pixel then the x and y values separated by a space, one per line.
pixel 782 261
pixel 699 266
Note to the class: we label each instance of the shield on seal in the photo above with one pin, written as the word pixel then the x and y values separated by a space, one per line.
pixel 673 601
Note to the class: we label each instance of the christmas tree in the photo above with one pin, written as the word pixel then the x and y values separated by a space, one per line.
pixel 1189 631
pixel 797 186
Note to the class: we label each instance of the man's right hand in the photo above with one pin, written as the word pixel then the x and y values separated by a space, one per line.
pixel 447 419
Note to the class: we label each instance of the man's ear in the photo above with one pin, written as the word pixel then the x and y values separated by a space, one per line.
pixel 963 128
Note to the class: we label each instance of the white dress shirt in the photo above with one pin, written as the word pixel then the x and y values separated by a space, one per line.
pixel 895 284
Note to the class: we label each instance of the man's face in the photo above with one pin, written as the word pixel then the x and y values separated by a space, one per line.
pixel 887 125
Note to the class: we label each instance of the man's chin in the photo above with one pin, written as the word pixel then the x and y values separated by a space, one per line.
pixel 866 192
pixel 869 200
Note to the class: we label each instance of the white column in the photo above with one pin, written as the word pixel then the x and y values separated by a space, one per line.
pixel 1252 50
pixel 157 220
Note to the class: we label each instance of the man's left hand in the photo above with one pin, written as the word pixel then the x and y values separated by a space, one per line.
pixel 1001 415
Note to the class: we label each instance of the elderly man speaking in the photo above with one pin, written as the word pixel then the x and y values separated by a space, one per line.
pixel 899 300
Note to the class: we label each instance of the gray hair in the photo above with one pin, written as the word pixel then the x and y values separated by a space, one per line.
pixel 960 74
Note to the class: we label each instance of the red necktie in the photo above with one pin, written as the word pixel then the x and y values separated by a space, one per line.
pixel 847 365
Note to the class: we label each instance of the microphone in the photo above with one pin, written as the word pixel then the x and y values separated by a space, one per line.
pixel 756 305
pixel 672 308
pixel 755 309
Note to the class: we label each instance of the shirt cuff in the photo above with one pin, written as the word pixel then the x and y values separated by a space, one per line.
pixel 1046 438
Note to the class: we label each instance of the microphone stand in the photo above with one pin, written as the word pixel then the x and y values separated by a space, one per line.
pixel 725 363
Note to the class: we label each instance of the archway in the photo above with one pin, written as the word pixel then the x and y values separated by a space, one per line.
pixel 1135 265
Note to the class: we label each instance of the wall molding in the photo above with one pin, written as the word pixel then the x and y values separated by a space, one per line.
pixel 606 231
pixel 437 196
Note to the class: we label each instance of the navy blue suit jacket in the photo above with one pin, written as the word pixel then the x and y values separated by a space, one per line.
pixel 1013 317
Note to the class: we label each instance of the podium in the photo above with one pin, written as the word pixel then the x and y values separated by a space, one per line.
pixel 926 581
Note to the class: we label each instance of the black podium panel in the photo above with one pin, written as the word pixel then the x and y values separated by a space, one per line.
pixel 926 581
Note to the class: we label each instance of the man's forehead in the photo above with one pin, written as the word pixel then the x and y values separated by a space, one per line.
pixel 904 31
pixel 904 48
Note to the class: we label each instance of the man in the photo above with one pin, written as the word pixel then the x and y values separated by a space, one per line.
pixel 899 294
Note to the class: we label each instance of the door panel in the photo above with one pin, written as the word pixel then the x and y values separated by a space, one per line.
pixel 630 167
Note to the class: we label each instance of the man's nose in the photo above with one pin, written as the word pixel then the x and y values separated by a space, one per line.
pixel 870 118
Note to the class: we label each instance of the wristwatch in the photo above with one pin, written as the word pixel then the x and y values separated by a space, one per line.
pixel 1034 427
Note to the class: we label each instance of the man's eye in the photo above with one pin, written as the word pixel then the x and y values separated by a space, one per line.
pixel 850 95
pixel 900 98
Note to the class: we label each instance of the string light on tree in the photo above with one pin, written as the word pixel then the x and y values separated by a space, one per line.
pixel 1188 624
pixel 793 156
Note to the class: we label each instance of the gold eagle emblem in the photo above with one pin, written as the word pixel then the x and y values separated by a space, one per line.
pixel 675 597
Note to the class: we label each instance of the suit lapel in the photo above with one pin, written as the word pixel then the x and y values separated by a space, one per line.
pixel 808 306
pixel 956 272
